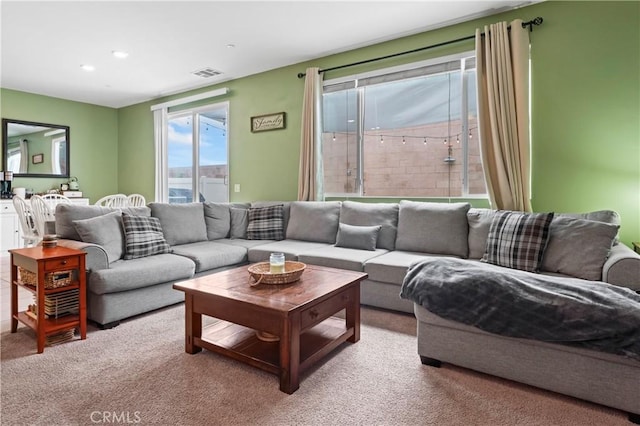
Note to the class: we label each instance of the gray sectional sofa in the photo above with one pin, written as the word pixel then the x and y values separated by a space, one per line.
pixel 381 239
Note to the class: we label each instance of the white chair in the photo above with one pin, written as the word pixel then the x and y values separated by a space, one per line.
pixel 44 210
pixel 114 200
pixel 27 222
pixel 137 200
pixel 53 200
pixel 42 213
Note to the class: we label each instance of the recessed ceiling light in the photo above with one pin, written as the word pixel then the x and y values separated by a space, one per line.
pixel 230 46
pixel 87 67
pixel 119 54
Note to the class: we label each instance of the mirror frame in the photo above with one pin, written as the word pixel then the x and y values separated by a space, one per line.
pixel 5 147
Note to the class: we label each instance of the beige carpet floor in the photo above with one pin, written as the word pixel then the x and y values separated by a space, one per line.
pixel 138 373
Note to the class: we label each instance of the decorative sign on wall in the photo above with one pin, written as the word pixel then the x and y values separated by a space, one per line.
pixel 262 123
pixel 37 159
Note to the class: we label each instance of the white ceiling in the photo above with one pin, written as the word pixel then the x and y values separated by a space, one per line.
pixel 44 43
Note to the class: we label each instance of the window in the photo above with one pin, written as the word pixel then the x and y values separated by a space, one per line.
pixel 59 156
pixel 197 155
pixel 408 131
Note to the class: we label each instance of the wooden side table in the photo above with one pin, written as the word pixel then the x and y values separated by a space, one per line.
pixel 48 264
pixel 636 246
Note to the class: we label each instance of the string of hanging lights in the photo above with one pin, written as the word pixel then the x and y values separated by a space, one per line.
pixel 446 139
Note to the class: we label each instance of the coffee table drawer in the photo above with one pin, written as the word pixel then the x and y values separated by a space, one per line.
pixel 323 310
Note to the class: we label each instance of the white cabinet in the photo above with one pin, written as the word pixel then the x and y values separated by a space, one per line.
pixel 9 226
pixel 10 233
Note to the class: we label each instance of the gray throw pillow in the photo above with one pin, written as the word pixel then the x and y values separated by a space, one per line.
pixel 106 231
pixel 357 237
pixel 578 247
pixel 479 225
pixel 143 237
pixel 314 221
pixel 239 223
pixel 606 216
pixel 217 218
pixel 181 223
pixel 517 240
pixel 369 214
pixel 435 228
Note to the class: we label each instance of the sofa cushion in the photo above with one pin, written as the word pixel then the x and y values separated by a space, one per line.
pixel 290 248
pixel 266 223
pixel 67 213
pixel 435 228
pixel 211 254
pixel 383 214
pixel 106 231
pixel 517 240
pixel 357 237
pixel 239 222
pixel 181 223
pixel 479 225
pixel 392 267
pixel 314 221
pixel 217 218
pixel 123 275
pixel 143 236
pixel 578 247
pixel 339 257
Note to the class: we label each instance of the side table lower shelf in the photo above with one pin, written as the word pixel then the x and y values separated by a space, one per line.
pixel 51 325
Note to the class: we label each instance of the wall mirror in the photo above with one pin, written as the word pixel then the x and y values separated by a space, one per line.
pixel 33 149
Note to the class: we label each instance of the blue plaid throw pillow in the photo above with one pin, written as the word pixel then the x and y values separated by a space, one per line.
pixel 266 223
pixel 143 236
pixel 517 240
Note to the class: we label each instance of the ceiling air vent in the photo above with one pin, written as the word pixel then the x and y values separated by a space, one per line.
pixel 206 72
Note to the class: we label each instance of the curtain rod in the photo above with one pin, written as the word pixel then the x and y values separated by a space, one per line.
pixel 536 21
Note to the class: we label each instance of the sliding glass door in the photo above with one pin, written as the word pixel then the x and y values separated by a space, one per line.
pixel 197 155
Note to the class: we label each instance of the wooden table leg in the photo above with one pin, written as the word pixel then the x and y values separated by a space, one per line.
pixel 14 296
pixel 193 326
pixel 353 313
pixel 290 355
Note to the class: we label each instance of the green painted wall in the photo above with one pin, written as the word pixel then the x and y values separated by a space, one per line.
pixel 585 115
pixel 93 140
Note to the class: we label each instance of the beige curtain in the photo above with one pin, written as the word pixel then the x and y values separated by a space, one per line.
pixel 310 171
pixel 503 113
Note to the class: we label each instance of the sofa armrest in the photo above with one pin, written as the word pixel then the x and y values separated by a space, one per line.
pixel 96 255
pixel 622 267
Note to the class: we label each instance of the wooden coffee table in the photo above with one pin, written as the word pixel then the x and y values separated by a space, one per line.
pixel 300 314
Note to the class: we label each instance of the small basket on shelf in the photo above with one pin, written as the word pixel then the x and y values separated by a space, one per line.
pixel 51 279
pixel 260 273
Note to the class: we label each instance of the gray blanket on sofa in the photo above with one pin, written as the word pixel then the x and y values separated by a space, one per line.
pixel 589 314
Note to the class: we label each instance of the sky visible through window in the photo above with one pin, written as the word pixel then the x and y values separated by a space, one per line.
pixel 212 143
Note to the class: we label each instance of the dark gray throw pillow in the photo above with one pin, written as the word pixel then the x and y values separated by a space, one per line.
pixel 143 236
pixel 517 240
pixel 266 223
pixel 357 237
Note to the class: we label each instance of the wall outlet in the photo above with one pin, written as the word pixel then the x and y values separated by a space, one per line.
pixel 236 187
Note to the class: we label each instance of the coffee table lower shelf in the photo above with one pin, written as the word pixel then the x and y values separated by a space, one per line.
pixel 241 343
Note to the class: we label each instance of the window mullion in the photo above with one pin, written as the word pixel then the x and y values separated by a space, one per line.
pixel 360 139
pixel 464 140
pixel 195 187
